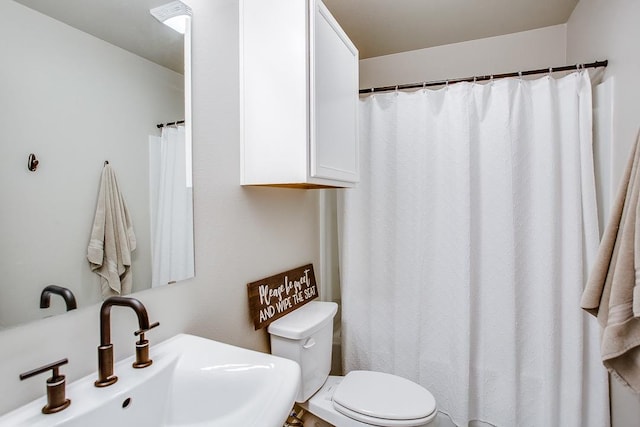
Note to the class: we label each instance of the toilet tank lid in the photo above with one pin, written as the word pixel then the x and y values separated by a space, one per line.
pixel 304 321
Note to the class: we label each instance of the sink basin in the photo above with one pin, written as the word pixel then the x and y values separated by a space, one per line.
pixel 193 381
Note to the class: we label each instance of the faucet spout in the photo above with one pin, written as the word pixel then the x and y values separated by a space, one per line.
pixel 105 350
pixel 66 294
pixel 105 315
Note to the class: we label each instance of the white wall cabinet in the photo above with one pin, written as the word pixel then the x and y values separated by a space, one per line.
pixel 298 96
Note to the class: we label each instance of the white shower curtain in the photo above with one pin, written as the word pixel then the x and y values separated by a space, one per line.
pixel 465 248
pixel 171 208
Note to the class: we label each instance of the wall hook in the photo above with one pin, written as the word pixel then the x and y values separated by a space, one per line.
pixel 32 163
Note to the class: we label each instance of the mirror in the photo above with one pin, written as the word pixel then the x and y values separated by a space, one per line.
pixel 74 101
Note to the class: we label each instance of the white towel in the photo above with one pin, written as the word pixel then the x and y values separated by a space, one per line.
pixel 112 238
pixel 613 290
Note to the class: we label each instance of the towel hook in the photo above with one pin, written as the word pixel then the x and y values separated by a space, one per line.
pixel 32 162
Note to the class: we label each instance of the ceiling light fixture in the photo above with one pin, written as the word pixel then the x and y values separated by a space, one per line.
pixel 174 15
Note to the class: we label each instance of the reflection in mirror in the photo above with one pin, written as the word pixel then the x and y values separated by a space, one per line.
pixel 75 100
pixel 67 296
pixel 171 206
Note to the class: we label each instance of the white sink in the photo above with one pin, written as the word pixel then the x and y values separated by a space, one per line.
pixel 193 381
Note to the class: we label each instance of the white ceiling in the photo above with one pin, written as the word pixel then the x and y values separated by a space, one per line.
pixel 382 27
pixel 124 23
pixel 377 27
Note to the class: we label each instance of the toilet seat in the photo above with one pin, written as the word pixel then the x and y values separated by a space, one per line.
pixel 384 400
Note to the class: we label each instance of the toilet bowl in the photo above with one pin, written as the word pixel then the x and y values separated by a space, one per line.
pixel 361 398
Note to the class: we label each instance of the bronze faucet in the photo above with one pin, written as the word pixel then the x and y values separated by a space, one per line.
pixel 66 294
pixel 105 350
pixel 56 399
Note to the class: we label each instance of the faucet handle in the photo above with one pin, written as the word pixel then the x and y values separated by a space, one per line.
pixel 56 399
pixel 143 331
pixel 142 348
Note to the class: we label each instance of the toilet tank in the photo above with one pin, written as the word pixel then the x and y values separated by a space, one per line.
pixel 306 335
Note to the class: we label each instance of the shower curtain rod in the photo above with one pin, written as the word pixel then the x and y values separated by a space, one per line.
pixel 161 125
pixel 595 64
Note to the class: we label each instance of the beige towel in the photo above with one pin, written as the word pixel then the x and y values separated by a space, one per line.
pixel 112 238
pixel 613 292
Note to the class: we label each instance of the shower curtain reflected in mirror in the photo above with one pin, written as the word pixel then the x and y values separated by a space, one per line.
pixel 172 253
pixel 466 246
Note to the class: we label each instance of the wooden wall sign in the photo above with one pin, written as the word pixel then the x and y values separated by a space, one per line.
pixel 275 296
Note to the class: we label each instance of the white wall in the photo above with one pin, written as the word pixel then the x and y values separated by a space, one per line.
pixel 527 50
pixel 610 30
pixel 242 235
pixel 75 101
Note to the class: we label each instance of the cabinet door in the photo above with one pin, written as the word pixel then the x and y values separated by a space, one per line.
pixel 334 99
pixel 274 114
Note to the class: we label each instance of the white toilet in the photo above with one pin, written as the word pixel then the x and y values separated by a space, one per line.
pixel 361 398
